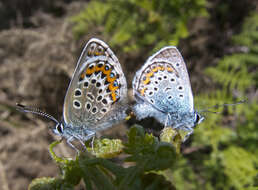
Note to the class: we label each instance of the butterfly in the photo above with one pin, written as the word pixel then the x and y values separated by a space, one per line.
pixel 162 90
pixel 96 97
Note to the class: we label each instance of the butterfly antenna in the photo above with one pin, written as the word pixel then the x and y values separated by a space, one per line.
pixel 208 111
pixel 27 109
pixel 217 106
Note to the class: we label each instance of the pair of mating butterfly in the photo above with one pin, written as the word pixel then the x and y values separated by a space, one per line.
pixel 97 95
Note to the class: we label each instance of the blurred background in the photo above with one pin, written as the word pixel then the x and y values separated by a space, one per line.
pixel 40 42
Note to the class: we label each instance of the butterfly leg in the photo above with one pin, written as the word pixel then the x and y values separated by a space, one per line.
pixel 71 145
pixel 83 144
pixel 92 135
pixel 188 134
pixel 92 143
pixel 167 119
pixel 87 134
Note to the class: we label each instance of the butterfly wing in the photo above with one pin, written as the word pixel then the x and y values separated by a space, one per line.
pixel 162 86
pixel 97 94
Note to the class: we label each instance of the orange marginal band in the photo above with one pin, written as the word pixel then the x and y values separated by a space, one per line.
pixel 143 91
pixel 150 74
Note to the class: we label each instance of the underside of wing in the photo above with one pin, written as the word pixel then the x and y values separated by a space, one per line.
pixel 164 83
pixel 97 90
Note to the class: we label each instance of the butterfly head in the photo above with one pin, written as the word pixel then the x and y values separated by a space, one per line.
pixel 198 118
pixel 59 129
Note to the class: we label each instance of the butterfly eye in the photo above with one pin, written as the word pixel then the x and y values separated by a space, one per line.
pixel 198 119
pixel 59 128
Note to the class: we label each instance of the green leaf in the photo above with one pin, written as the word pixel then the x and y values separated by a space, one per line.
pixel 47 183
pixel 147 151
pixel 106 148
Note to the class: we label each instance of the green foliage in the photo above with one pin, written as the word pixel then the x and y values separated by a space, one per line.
pixel 230 137
pixel 239 166
pixel 145 152
pixel 136 24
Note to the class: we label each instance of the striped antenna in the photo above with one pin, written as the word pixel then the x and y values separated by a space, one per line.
pixel 27 109
pixel 223 105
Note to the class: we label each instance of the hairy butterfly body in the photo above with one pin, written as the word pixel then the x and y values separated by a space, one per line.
pixel 162 90
pixel 96 97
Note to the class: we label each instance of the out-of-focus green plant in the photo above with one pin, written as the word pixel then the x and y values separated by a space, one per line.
pixel 146 156
pixel 225 154
pixel 134 25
